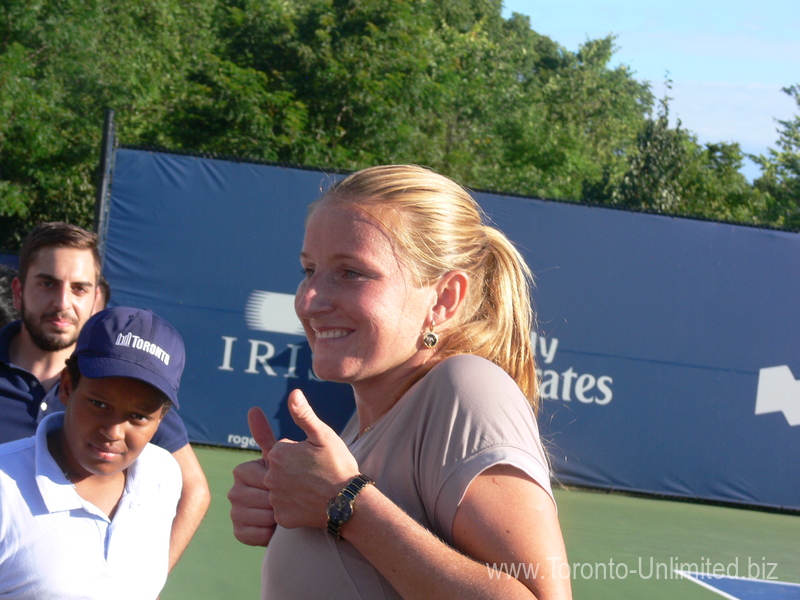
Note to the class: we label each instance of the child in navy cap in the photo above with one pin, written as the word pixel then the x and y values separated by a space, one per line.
pixel 86 505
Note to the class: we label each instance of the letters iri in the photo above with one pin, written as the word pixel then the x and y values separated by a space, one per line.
pixel 274 312
pixel 565 386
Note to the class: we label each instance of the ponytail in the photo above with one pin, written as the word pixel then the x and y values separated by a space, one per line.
pixel 498 324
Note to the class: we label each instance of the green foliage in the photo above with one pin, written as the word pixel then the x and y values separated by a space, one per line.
pixel 345 84
pixel 713 187
pixel 668 171
pixel 780 178
pixel 62 64
pixel 593 115
pixel 652 178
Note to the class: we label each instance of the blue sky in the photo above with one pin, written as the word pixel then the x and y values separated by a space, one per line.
pixel 727 60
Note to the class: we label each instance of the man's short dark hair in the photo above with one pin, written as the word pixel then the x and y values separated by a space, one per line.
pixel 105 289
pixel 56 234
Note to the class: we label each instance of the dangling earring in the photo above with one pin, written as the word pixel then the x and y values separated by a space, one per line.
pixel 430 339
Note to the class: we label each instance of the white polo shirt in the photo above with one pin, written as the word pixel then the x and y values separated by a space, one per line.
pixel 56 545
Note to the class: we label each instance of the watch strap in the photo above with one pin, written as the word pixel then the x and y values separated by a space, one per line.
pixel 350 492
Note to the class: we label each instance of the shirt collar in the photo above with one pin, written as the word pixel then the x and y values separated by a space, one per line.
pixel 57 492
pixel 7 334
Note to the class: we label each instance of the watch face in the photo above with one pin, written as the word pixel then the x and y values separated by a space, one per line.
pixel 340 509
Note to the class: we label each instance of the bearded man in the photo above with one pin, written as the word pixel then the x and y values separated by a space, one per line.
pixel 56 291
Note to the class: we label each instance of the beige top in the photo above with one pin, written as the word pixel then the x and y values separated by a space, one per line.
pixel 463 417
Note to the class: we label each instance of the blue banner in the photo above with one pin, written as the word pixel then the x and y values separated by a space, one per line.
pixel 668 348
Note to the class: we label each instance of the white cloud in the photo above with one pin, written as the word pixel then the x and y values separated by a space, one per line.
pixel 724 111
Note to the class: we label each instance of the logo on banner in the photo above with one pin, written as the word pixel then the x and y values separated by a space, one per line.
pixel 583 387
pixel 778 391
pixel 271 311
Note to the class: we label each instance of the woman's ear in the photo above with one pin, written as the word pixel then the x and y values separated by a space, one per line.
pixel 451 292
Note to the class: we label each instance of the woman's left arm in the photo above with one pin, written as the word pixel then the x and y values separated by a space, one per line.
pixel 507 519
pixel 507 538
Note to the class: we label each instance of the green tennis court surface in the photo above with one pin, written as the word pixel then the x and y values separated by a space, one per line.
pixel 619 547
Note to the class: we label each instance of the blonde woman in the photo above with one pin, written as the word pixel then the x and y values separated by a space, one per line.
pixel 438 487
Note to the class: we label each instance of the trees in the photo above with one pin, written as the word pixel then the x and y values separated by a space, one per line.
pixel 780 177
pixel 669 171
pixel 594 114
pixel 651 179
pixel 61 65
pixel 346 84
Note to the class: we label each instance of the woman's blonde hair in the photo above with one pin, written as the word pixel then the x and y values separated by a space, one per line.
pixel 438 228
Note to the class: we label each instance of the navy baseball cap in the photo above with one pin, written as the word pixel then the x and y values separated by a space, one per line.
pixel 132 342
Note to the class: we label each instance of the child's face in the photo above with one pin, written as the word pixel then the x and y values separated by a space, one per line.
pixel 108 422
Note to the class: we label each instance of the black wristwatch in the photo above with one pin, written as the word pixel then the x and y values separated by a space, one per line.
pixel 340 507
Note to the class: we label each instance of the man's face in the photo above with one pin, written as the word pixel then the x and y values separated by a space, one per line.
pixel 57 296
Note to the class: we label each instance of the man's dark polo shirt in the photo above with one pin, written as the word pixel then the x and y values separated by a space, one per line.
pixel 24 403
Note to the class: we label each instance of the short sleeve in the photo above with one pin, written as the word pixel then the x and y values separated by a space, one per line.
pixel 475 417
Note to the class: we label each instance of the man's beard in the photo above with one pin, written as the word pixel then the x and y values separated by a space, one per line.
pixel 49 342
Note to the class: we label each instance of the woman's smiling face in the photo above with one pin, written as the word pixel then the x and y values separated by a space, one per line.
pixel 362 308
